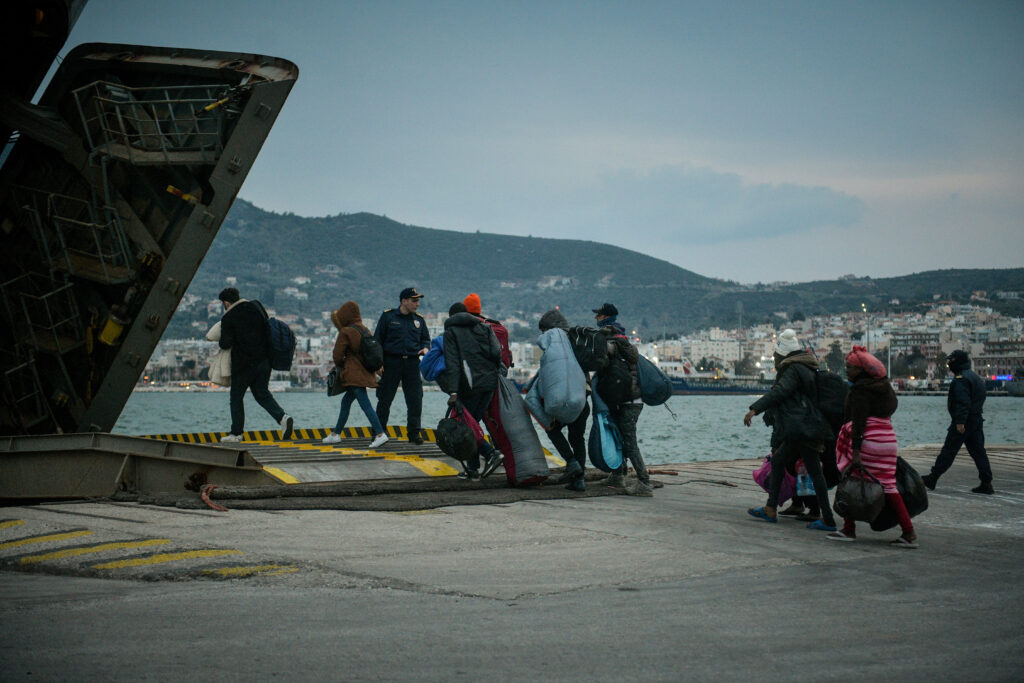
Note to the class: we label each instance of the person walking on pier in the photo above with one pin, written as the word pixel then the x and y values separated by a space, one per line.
pixel 796 434
pixel 352 374
pixel 244 329
pixel 472 357
pixel 403 335
pixel 965 402
pixel 475 306
pixel 623 409
pixel 867 438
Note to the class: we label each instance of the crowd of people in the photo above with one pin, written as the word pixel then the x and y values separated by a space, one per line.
pixel 476 355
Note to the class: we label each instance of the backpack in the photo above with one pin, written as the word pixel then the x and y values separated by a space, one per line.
pixel 371 353
pixel 831 399
pixel 590 347
pixel 282 342
pixel 615 381
pixel 655 386
pixel 501 332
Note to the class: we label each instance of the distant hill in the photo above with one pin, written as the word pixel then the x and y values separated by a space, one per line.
pixel 370 258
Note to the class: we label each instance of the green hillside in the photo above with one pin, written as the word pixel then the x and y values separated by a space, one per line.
pixel 370 258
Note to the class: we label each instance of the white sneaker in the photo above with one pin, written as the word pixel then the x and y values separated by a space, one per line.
pixel 333 437
pixel 379 440
pixel 286 427
pixel 231 438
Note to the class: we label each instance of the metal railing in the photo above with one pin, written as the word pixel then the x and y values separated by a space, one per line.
pixel 156 125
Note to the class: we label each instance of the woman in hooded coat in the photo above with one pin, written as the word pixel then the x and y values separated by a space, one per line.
pixel 868 438
pixel 353 376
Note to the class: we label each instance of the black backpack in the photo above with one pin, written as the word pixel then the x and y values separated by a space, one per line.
pixel 832 391
pixel 615 381
pixel 371 354
pixel 282 341
pixel 590 347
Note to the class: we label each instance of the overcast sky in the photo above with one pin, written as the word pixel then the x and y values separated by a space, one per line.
pixel 754 141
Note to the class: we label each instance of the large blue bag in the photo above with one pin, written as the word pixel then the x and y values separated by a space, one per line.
pixel 605 443
pixel 432 364
pixel 655 386
pixel 559 390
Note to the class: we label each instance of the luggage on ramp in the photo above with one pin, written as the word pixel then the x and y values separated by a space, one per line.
pixel 512 432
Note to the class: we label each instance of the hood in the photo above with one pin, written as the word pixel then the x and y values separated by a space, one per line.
pixel 801 357
pixel 347 315
pixel 958 361
pixel 546 339
pixel 462 320
pixel 552 319
pixel 874 385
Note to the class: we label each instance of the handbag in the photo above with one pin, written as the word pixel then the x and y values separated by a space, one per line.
pixel 605 443
pixel 764 472
pixel 334 382
pixel 458 433
pixel 859 495
pixel 912 491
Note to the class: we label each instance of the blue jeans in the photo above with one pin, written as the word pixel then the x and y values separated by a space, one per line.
pixel 357 394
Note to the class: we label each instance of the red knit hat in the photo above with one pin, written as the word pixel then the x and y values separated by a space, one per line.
pixel 472 303
pixel 861 358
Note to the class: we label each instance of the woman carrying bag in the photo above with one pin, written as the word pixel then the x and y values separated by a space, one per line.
pixel 353 377
pixel 798 429
pixel 867 439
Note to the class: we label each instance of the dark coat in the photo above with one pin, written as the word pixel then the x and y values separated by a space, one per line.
pixel 402 334
pixel 868 397
pixel 244 329
pixel 469 346
pixel 618 345
pixel 966 396
pixel 351 372
pixel 793 376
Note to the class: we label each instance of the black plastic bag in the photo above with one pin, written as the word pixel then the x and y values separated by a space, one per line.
pixel 859 494
pixel 454 437
pixel 913 492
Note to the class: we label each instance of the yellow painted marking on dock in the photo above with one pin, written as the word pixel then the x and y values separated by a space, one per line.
pixel 44 539
pixel 74 552
pixel 434 468
pixel 163 558
pixel 266 569
pixel 281 475
pixel 7 524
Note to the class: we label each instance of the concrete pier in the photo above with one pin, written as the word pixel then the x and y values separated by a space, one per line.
pixel 682 586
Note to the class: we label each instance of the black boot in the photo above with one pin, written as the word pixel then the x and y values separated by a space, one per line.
pixel 572 470
pixel 930 480
pixel 984 487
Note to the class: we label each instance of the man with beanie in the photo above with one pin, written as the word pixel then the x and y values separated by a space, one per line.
pixel 474 306
pixel 245 330
pixel 964 402
pixel 785 407
pixel 403 335
pixel 472 356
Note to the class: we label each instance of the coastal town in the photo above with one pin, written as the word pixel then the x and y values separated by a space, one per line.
pixel 913 345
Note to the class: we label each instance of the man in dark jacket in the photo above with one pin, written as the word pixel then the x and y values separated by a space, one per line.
pixel 472 358
pixel 624 408
pixel 965 401
pixel 786 407
pixel 403 335
pixel 244 330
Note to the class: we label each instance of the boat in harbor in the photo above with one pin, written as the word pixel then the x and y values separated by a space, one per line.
pixel 688 386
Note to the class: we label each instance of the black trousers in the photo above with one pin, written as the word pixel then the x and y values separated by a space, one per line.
pixel 974 438
pixel 476 402
pixel 625 417
pixel 785 454
pixel 575 448
pixel 257 378
pixel 404 370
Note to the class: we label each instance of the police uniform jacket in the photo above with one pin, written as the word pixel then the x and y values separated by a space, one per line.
pixel 966 396
pixel 402 334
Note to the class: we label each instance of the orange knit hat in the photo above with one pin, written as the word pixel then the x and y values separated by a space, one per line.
pixel 472 303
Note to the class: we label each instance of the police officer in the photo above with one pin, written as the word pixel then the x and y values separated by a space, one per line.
pixel 403 335
pixel 965 401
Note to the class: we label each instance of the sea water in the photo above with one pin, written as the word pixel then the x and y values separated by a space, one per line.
pixel 686 429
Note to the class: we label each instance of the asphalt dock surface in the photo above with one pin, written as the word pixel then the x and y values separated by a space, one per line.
pixel 494 586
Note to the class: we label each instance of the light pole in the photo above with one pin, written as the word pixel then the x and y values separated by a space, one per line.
pixel 867 327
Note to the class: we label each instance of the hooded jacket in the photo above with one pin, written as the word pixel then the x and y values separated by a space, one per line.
pixel 794 375
pixel 472 356
pixel 967 392
pixel 868 397
pixel 351 372
pixel 245 331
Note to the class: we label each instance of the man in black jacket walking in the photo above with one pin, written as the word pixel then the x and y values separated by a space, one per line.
pixel 244 330
pixel 965 401
pixel 472 358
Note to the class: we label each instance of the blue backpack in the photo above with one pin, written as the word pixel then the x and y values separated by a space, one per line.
pixel 282 342
pixel 432 364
